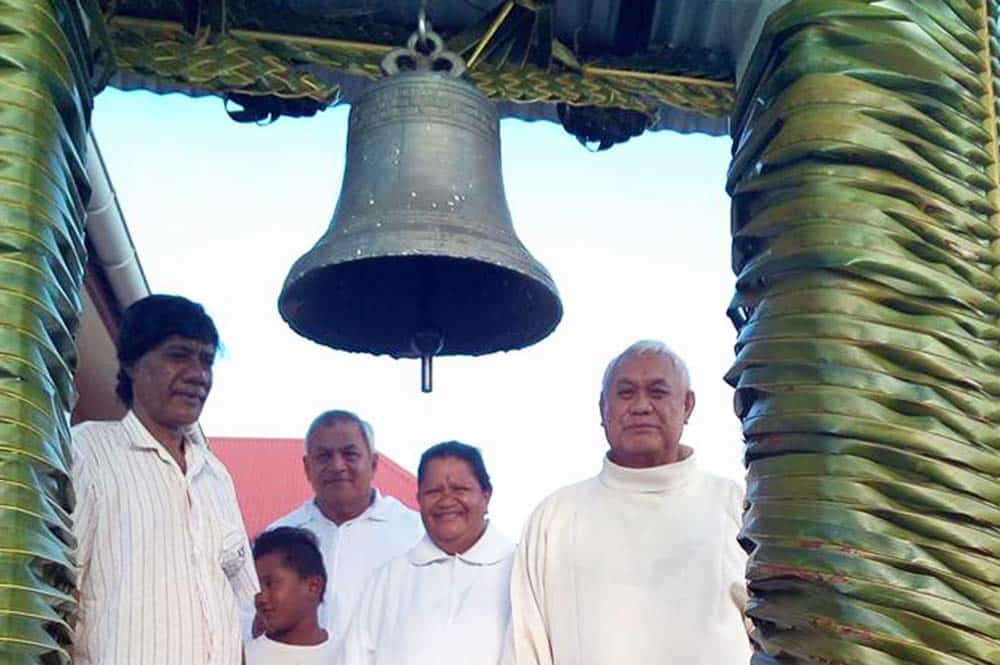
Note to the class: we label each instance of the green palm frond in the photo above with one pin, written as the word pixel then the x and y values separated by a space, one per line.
pixel 866 245
pixel 48 73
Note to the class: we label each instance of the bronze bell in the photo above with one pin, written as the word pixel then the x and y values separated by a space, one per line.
pixel 421 258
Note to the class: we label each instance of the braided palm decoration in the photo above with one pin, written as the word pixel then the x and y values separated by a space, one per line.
pixel 162 52
pixel 865 241
pixel 44 115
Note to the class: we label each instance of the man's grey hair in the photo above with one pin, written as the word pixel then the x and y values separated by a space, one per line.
pixel 332 417
pixel 646 347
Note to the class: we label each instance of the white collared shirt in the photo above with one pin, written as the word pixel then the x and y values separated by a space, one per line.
pixel 428 607
pixel 354 550
pixel 163 557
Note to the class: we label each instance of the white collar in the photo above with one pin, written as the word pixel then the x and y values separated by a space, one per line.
pixel 264 639
pixel 142 439
pixel 491 548
pixel 379 510
pixel 663 478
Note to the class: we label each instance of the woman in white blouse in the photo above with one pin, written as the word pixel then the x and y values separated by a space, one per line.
pixel 447 600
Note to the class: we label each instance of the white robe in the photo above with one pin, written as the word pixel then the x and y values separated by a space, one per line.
pixel 633 567
pixel 429 608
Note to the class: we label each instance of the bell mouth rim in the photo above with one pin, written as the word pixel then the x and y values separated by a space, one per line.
pixel 530 268
pixel 539 291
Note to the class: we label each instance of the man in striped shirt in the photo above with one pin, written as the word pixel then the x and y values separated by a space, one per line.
pixel 164 562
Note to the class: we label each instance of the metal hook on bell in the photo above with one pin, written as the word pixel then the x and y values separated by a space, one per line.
pixel 422 26
pixel 424 40
pixel 427 343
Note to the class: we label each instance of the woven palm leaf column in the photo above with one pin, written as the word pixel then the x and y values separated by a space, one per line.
pixel 865 242
pixel 44 115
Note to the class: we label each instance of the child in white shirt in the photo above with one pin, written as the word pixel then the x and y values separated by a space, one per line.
pixel 292 583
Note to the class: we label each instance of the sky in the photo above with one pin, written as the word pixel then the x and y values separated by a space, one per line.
pixel 636 239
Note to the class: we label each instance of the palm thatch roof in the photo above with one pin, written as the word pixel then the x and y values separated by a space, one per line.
pixel 606 69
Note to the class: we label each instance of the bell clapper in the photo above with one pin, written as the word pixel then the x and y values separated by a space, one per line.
pixel 426 373
pixel 427 344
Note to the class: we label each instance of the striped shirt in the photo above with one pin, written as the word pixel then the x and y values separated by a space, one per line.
pixel 164 563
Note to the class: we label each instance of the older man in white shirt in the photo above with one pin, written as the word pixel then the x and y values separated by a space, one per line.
pixel 358 528
pixel 640 565
pixel 164 562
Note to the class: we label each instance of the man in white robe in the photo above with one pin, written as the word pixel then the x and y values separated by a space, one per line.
pixel 639 565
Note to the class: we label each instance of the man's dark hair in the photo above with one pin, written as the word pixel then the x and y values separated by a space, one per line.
pixel 298 548
pixel 148 322
pixel 462 451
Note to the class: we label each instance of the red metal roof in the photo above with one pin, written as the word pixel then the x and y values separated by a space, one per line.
pixel 270 481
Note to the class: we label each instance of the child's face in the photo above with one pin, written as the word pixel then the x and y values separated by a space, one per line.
pixel 286 600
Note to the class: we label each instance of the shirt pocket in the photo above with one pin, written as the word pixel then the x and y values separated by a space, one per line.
pixel 233 553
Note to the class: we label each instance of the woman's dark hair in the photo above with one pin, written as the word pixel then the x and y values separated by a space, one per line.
pixel 298 548
pixel 462 451
pixel 148 322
